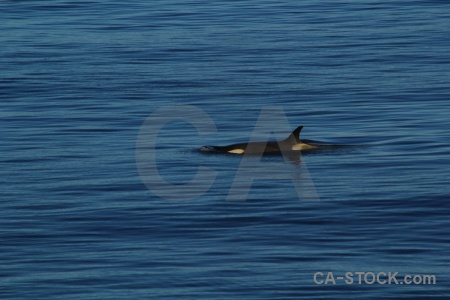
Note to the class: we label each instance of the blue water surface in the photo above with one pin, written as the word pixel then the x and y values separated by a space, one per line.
pixel 79 78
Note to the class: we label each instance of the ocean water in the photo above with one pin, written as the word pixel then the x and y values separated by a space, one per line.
pixel 79 219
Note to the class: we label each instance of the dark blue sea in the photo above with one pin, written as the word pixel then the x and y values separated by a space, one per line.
pixel 89 212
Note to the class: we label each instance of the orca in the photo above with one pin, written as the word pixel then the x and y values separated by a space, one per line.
pixel 291 143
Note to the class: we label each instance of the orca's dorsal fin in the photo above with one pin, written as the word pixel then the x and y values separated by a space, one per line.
pixel 295 135
pixel 294 138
